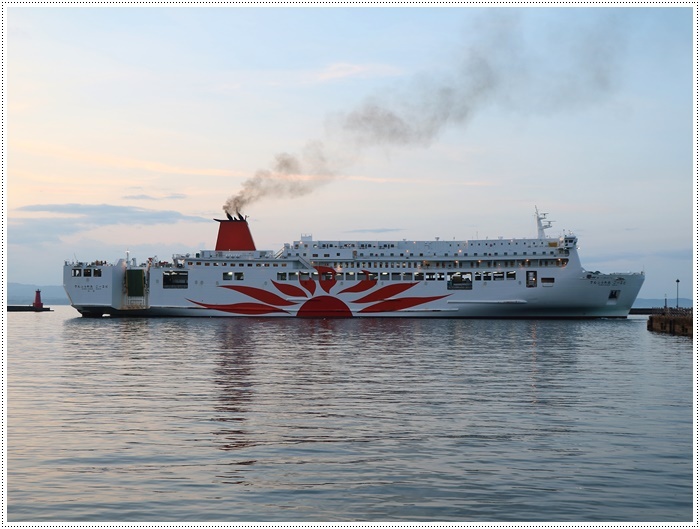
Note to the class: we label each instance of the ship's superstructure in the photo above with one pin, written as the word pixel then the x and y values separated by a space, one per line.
pixel 540 277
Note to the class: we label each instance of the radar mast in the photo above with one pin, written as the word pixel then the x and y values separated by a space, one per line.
pixel 542 223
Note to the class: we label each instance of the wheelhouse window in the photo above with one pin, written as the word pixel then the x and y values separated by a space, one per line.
pixel 77 272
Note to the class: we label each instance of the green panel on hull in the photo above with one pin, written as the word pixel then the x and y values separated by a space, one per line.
pixel 135 283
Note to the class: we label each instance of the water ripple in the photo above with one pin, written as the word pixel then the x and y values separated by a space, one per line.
pixel 346 420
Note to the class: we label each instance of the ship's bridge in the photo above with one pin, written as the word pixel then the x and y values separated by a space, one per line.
pixel 568 241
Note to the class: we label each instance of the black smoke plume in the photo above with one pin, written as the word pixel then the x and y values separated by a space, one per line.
pixel 499 65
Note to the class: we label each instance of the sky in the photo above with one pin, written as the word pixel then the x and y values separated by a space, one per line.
pixel 130 128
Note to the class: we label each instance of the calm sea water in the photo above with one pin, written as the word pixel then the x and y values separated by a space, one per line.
pixel 181 420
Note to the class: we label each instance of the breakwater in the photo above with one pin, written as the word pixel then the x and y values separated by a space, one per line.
pixel 671 321
pixel 37 306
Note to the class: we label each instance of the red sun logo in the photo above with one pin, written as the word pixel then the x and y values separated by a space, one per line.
pixel 323 305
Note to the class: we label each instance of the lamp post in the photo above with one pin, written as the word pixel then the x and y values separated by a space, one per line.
pixel 677 281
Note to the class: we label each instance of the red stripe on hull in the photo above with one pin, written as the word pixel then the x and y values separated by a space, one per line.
pixel 394 305
pixel 385 292
pixel 261 295
pixel 247 309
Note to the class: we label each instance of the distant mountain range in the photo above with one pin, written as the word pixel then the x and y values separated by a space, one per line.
pixel 21 294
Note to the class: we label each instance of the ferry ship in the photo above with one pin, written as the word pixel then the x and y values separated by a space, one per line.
pixel 541 277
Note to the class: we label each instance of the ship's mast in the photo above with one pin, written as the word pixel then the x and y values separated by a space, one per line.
pixel 542 223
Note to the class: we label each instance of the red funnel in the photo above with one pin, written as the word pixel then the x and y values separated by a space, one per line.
pixel 235 236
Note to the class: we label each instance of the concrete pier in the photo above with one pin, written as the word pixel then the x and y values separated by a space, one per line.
pixel 672 321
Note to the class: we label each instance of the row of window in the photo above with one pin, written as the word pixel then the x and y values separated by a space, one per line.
pixel 224 263
pixel 363 245
pixel 456 280
pixel 526 263
pixel 407 255
pixel 455 277
pixel 96 272
pixel 87 272
pixel 179 279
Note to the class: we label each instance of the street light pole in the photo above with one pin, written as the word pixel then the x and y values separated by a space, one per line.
pixel 677 281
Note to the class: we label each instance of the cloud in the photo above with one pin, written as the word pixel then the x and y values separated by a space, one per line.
pixel 231 81
pixel 139 197
pixel 420 181
pixel 173 196
pixel 102 160
pixel 343 70
pixel 67 219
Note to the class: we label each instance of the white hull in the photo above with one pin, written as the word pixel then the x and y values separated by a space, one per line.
pixel 515 278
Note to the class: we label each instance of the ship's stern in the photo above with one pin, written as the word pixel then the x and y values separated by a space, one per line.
pixel 93 289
